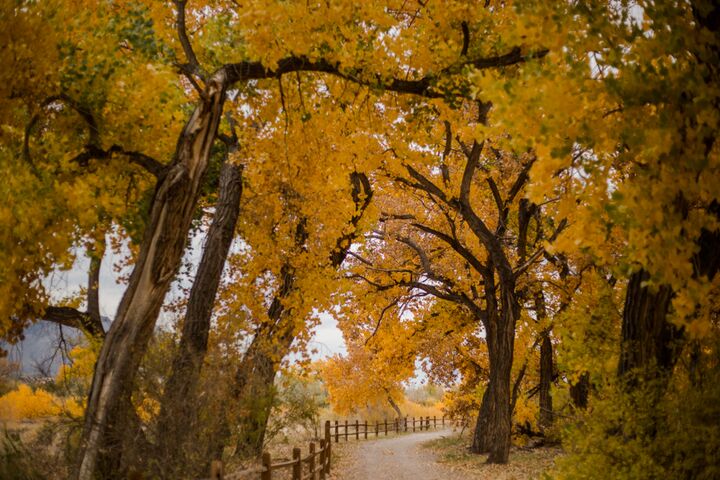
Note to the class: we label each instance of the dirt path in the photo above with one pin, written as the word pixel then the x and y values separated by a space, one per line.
pixel 397 458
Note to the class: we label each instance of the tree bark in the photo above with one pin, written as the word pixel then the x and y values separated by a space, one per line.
pixel 546 376
pixel 93 293
pixel 649 341
pixel 546 365
pixel 158 260
pixel 494 426
pixel 580 391
pixel 177 421
pixel 391 402
pixel 481 439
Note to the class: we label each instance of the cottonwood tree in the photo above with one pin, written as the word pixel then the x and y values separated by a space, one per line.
pixel 492 251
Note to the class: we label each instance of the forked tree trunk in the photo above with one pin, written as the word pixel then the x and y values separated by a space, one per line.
pixel 177 421
pixel 158 260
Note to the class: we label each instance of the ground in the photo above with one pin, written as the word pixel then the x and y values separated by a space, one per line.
pixel 435 455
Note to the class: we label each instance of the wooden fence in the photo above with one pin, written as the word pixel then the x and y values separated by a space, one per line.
pixel 348 430
pixel 316 465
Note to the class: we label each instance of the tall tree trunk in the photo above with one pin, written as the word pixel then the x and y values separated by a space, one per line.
pixel 177 421
pixel 93 294
pixel 256 400
pixel 174 202
pixel 501 360
pixel 494 427
pixel 546 365
pixel 546 377
pixel 649 341
pixel 580 390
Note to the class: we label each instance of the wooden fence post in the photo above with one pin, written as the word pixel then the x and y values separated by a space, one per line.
pixel 443 421
pixel 337 429
pixel 413 424
pixel 312 461
pixel 427 419
pixel 434 421
pixel 323 447
pixel 385 425
pixel 405 423
pixel 328 443
pixel 216 470
pixel 377 427
pixel 267 467
pixel 346 430
pixel 357 429
pixel 366 427
pixel 297 466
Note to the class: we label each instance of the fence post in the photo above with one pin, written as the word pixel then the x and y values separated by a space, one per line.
pixel 357 429
pixel 397 423
pixel 312 461
pixel 443 421
pixel 337 430
pixel 413 424
pixel 366 427
pixel 216 470
pixel 427 419
pixel 434 421
pixel 346 430
pixel 323 447
pixel 328 443
pixel 267 467
pixel 377 427
pixel 385 426
pixel 405 423
pixel 297 466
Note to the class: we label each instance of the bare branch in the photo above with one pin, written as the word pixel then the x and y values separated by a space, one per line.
pixel 93 152
pixel 456 245
pixel 71 317
pixel 424 86
pixel 466 38
pixel 193 66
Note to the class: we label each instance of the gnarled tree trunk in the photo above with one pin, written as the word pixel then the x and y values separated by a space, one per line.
pixel 160 254
pixel 494 426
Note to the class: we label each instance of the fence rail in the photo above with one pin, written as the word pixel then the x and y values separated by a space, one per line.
pixel 316 465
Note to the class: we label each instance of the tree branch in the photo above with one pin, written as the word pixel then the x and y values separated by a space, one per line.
pixel 93 152
pixel 193 66
pixel 424 86
pixel 71 317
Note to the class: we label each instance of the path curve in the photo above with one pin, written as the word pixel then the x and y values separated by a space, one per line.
pixel 397 458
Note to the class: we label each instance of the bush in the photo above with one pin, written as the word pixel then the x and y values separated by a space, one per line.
pixel 651 433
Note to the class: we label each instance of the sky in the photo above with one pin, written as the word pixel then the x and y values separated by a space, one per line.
pixel 42 338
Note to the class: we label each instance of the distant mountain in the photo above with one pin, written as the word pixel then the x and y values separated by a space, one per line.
pixel 45 348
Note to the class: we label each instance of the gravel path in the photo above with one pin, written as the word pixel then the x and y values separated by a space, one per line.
pixel 396 458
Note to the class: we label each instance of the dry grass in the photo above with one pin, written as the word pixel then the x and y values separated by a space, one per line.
pixel 524 463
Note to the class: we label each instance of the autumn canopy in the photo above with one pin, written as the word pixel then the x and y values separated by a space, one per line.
pixel 517 201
